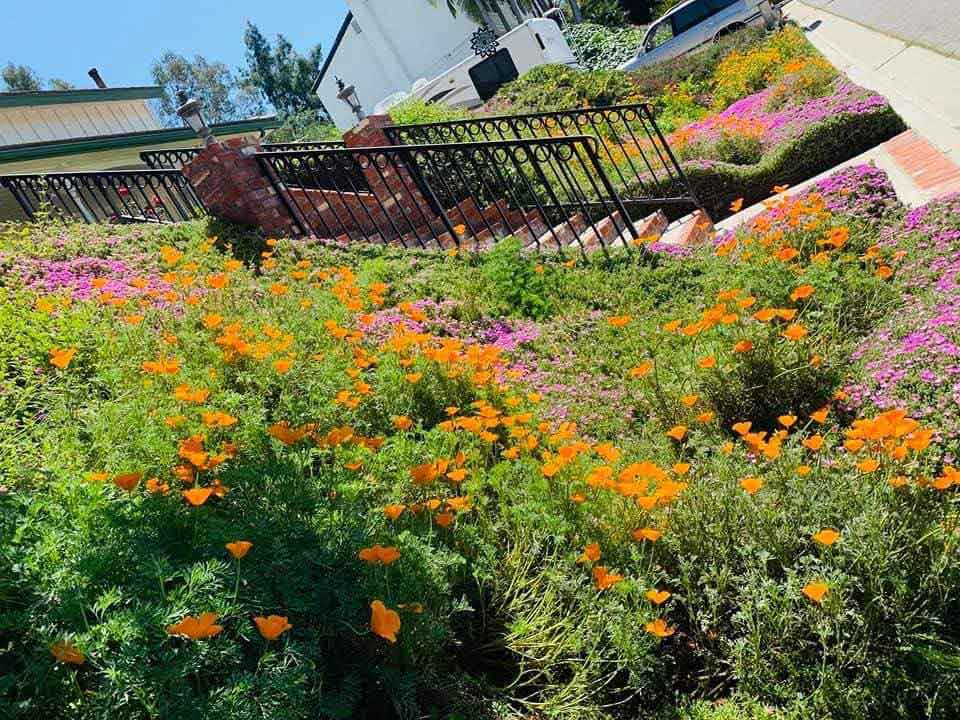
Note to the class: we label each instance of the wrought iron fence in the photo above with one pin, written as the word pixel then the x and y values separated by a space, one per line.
pixel 552 192
pixel 632 149
pixel 175 158
pixel 154 196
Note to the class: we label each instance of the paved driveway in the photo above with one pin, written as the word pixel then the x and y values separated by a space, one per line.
pixel 933 23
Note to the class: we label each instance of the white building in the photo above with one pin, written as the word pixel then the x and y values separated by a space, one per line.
pixel 385 46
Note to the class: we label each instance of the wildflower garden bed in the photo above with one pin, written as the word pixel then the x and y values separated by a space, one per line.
pixel 293 481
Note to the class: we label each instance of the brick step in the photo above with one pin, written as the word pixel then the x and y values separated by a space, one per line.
pixel 694 229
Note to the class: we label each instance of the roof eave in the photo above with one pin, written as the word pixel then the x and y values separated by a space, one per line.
pixel 333 51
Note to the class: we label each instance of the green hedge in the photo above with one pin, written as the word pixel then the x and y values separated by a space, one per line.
pixel 820 148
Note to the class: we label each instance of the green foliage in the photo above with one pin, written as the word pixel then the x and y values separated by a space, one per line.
pixel 512 282
pixel 557 87
pixel 224 97
pixel 598 47
pixel 412 111
pixel 609 13
pixel 284 76
pixel 20 78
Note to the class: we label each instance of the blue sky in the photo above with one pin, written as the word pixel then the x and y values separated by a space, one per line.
pixel 64 38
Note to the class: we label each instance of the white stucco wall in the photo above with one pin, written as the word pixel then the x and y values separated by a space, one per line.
pixel 390 45
pixel 42 123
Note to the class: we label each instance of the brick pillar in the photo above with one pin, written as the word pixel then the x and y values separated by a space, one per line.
pixel 233 186
pixel 393 185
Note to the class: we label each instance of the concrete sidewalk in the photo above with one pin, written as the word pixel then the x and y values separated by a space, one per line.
pixel 922 86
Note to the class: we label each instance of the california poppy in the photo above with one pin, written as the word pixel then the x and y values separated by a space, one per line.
pixel 402 422
pixel 239 548
pixel 200 627
pixel 827 536
pixel 384 621
pixel 707 362
pixel 591 553
pixel 394 511
pixel 197 496
pixel 751 484
pixel 814 442
pixel 648 534
pixel 736 205
pixel 61 357
pixel 802 292
pixel 641 369
pixel 796 331
pixel 743 346
pixel 66 652
pixel 815 591
pixel 619 321
pixel 127 481
pixel 677 432
pixel 787 420
pixel 379 555
pixel 820 416
pixel 657 597
pixel 603 579
pixel 273 626
pixel 659 628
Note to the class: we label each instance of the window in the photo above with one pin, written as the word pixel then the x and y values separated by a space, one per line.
pixel 658 35
pixel 493 72
pixel 689 16
pixel 718 5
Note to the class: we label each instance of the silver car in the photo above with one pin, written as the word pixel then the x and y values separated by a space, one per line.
pixel 695 22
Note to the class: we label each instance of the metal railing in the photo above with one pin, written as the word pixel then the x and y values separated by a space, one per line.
pixel 551 192
pixel 175 158
pixel 632 149
pixel 123 196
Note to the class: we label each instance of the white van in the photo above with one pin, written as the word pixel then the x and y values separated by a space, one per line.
pixel 695 22
pixel 536 42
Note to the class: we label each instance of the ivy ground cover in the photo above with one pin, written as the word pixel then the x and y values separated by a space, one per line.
pixel 273 479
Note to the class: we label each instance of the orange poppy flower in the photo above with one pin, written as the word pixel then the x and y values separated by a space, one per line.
pixel 820 416
pixel 659 628
pixel 787 254
pixel 641 369
pixel 384 621
pixel 197 496
pixel 212 321
pixel 657 597
pixel 402 422
pixel 751 484
pixel 803 470
pixel 97 476
pixel 272 626
pixel 66 652
pixel 591 553
pixel 218 281
pixel 444 519
pixel 827 536
pixel 814 442
pixel 681 468
pixel 816 591
pixel 802 292
pixel 200 627
pixel 868 465
pixel 648 534
pixel 743 346
pixel 603 579
pixel 619 321
pixel 394 511
pixel 61 357
pixel 707 362
pixel 458 475
pixel 689 400
pixel 736 205
pixel 884 272
pixel 379 555
pixel 282 365
pixel 127 481
pixel 787 420
pixel 239 548
pixel 706 417
pixel 677 432
pixel 742 428
pixel 796 331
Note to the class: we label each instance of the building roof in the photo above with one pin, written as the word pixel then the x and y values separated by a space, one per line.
pixel 60 97
pixel 146 138
pixel 333 51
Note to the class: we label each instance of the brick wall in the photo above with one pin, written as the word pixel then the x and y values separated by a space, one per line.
pixel 233 186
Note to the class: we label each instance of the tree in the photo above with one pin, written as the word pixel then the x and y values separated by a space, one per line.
pixel 58 84
pixel 283 75
pixel 224 99
pixel 20 78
